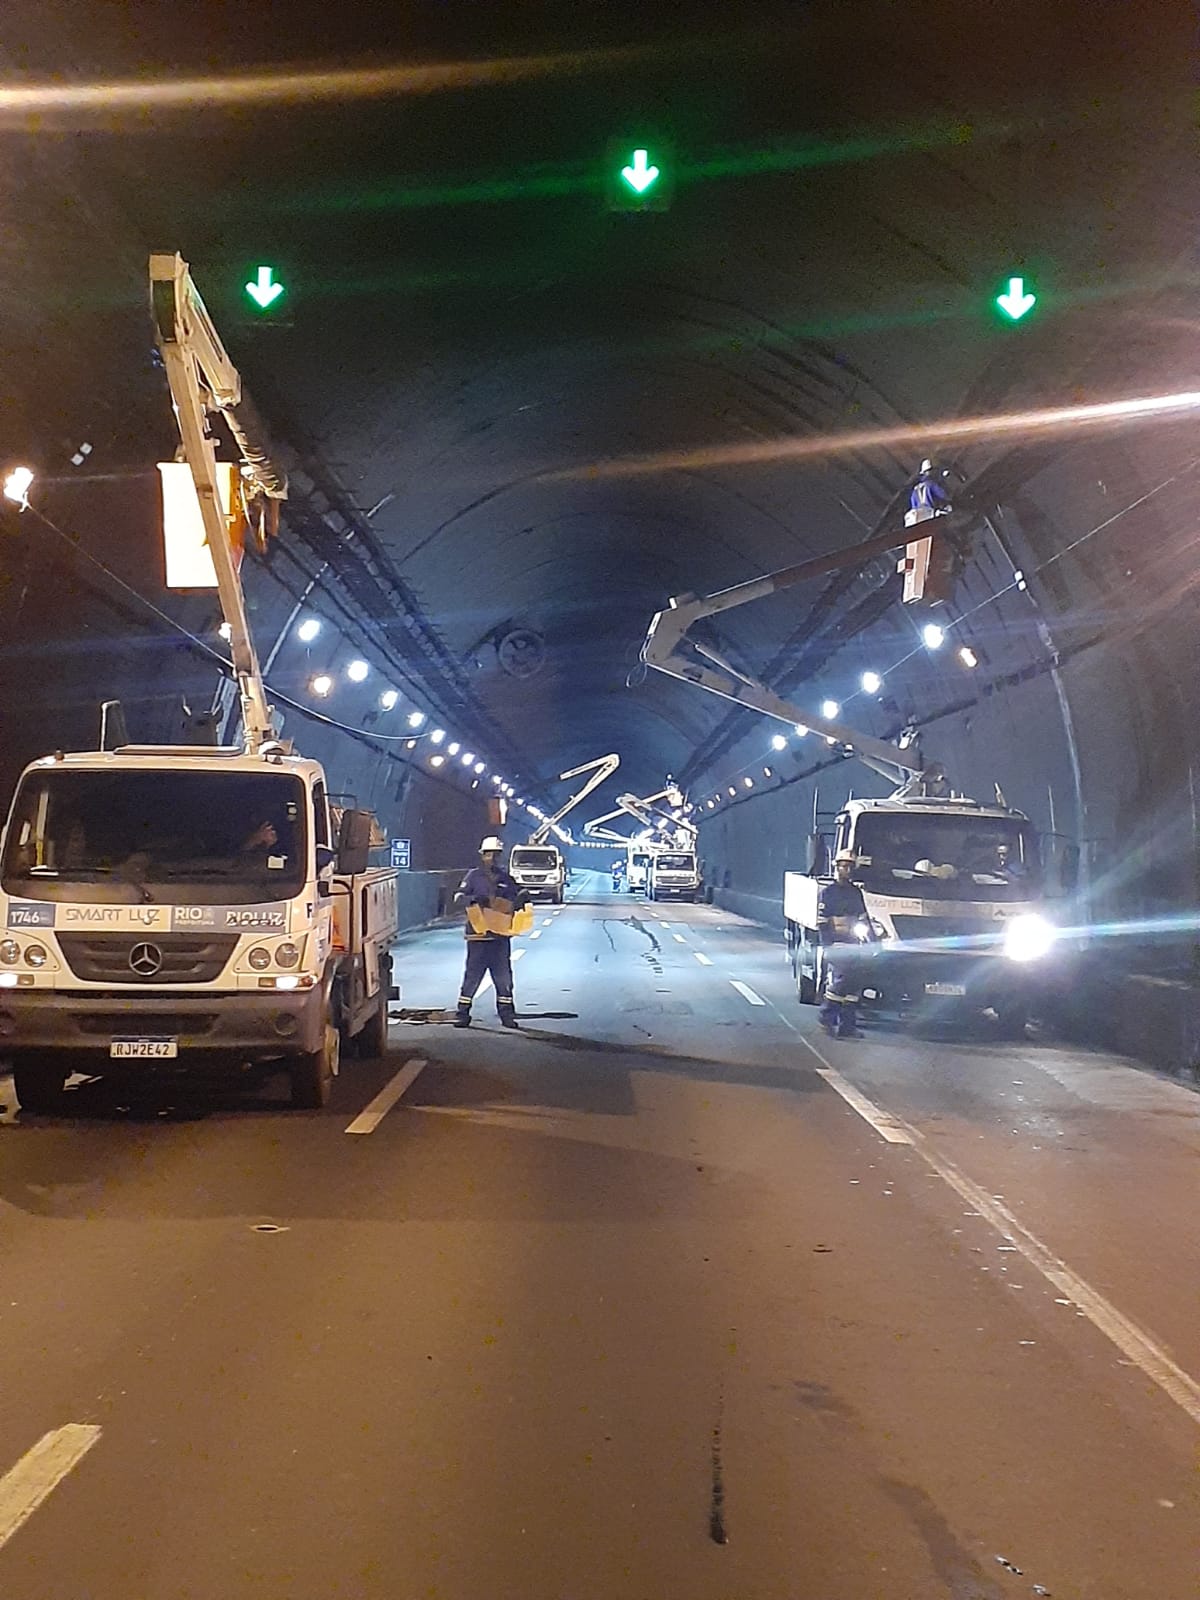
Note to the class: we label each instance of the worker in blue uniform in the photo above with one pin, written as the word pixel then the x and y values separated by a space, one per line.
pixel 927 493
pixel 841 919
pixel 483 886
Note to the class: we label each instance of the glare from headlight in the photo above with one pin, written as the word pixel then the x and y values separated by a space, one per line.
pixel 1028 937
pixel 862 930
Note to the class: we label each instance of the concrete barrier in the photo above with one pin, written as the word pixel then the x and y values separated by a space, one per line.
pixel 425 897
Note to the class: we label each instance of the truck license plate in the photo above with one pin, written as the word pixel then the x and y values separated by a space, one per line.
pixel 159 1049
pixel 946 988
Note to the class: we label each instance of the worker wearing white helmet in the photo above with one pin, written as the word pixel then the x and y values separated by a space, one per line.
pixel 842 925
pixel 928 495
pixel 484 886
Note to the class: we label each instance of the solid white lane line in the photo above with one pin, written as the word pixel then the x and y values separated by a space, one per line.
pixel 702 958
pixel 747 993
pixel 885 1125
pixel 40 1471
pixel 372 1115
pixel 1133 1342
pixel 679 939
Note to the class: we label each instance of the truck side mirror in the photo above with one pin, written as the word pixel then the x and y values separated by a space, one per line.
pixel 354 842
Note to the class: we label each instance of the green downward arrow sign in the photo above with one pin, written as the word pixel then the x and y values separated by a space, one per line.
pixel 263 290
pixel 639 175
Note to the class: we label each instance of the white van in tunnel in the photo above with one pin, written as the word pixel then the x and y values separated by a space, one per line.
pixel 539 868
pixel 674 875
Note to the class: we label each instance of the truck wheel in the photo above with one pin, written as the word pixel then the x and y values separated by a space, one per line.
pixel 558 898
pixel 372 1039
pixel 1013 1016
pixel 313 1072
pixel 39 1082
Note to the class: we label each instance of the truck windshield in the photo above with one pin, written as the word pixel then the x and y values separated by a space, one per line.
pixel 938 857
pixel 179 837
pixel 675 863
pixel 534 859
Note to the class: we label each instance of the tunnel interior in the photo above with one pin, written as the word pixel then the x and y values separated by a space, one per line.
pixel 517 421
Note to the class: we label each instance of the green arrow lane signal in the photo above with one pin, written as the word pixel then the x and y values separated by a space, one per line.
pixel 640 174
pixel 1017 300
pixel 263 289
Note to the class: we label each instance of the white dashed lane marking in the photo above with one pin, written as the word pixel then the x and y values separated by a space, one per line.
pixel 702 958
pixel 372 1115
pixel 40 1471
pixel 747 993
pixel 679 939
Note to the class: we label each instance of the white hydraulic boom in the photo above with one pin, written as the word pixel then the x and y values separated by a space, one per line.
pixel 667 648
pixel 643 811
pixel 202 380
pixel 601 769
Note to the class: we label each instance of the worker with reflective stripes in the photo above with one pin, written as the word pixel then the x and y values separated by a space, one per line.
pixel 842 925
pixel 489 887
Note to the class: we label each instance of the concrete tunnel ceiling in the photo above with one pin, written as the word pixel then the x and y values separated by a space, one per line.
pixel 475 341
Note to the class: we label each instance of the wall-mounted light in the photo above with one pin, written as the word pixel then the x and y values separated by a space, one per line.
pixel 321 684
pixel 388 699
pixel 308 630
pixel 357 671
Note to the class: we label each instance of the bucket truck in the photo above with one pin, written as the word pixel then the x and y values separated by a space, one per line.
pixel 665 832
pixel 182 908
pixel 952 886
pixel 539 866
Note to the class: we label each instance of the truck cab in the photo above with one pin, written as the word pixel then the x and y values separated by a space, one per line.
pixel 189 909
pixel 637 871
pixel 954 897
pixel 674 875
pixel 539 869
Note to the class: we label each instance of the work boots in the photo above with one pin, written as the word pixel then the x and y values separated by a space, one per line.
pixel 848 1027
pixel 462 1017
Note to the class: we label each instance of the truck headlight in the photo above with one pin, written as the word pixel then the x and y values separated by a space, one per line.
pixel 35 955
pixel 259 958
pixel 287 955
pixel 10 952
pixel 1028 937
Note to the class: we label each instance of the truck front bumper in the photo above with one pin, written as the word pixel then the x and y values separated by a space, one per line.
pixel 217 1030
pixel 900 979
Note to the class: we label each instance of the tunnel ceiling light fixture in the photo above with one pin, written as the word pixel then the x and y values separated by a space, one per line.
pixel 416 719
pixel 967 656
pixel 321 684
pixel 732 791
pixel 748 781
pixel 778 742
pixel 436 760
pixel 468 759
pixel 933 636
pixel 480 768
pixel 388 699
pixel 410 744
pixel 830 709
pixel 438 735
pixel 767 773
pixel 308 630
pixel 871 683
pixel 357 670
pixel 453 748
pixel 801 731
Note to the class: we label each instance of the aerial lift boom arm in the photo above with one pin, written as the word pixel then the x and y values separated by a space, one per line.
pixel 601 769
pixel 595 829
pixel 203 379
pixel 667 648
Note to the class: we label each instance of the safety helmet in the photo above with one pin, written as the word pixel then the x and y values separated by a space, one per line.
pixel 845 855
pixel 927 465
pixel 491 843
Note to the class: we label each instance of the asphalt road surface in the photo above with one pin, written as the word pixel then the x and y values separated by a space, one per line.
pixel 666 1298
